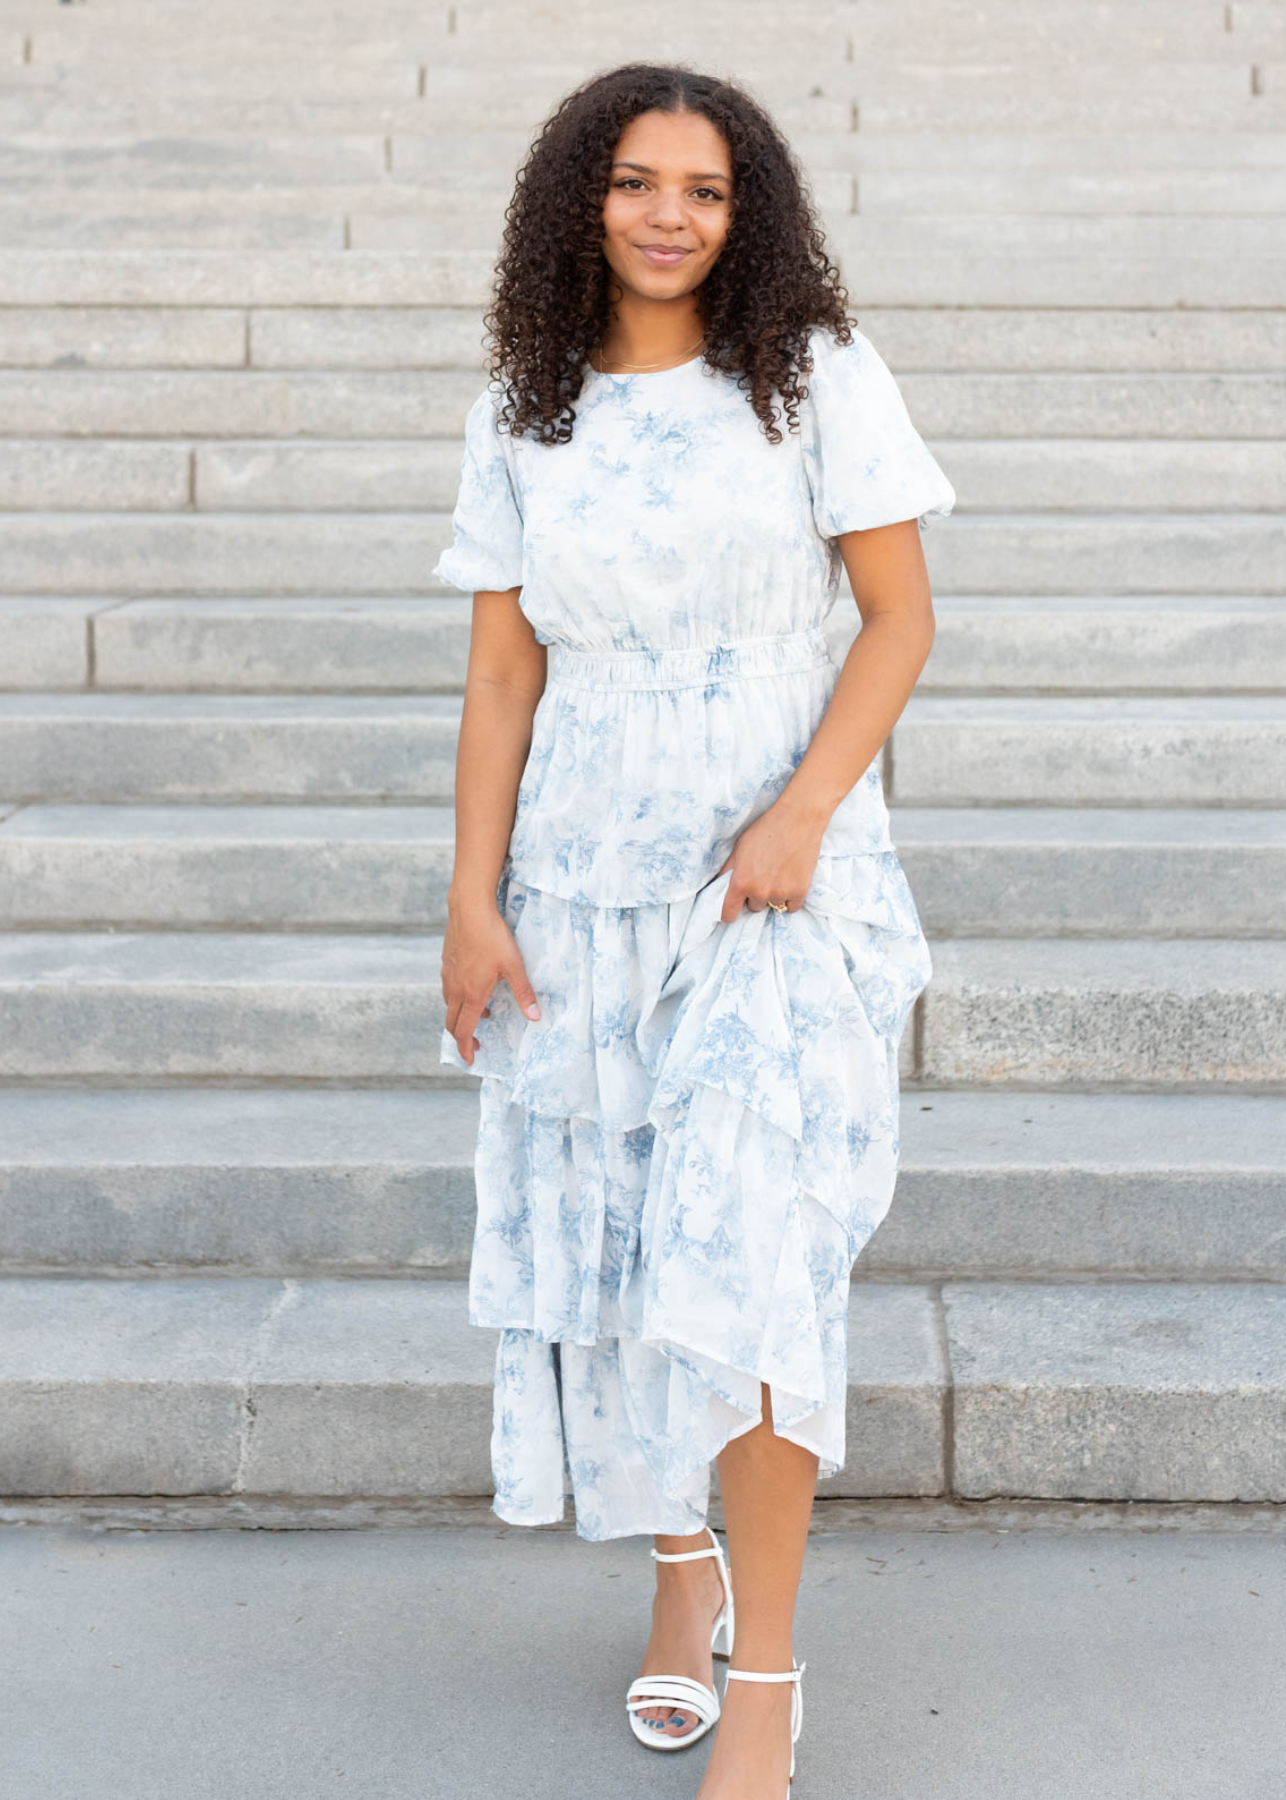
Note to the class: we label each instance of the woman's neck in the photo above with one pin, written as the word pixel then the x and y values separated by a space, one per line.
pixel 649 337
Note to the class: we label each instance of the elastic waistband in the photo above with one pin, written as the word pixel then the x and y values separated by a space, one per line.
pixel 688 666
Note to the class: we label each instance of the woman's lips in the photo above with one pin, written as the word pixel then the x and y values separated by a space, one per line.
pixel 656 254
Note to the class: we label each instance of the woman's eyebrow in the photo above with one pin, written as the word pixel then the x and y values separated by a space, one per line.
pixel 701 175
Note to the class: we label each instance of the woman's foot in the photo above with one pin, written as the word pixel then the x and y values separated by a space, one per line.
pixel 686 1604
pixel 750 1759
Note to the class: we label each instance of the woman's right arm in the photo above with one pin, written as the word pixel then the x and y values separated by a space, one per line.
pixel 504 681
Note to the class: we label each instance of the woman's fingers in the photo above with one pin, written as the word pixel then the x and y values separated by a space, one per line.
pixel 524 993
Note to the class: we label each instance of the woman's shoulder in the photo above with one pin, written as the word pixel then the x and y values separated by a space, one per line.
pixel 486 434
pixel 487 402
pixel 852 361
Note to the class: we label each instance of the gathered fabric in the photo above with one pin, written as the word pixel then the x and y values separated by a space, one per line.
pixel 676 1167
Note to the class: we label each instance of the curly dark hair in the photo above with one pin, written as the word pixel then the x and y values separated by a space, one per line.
pixel 771 283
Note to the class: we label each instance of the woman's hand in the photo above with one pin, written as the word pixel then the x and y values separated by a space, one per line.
pixel 773 859
pixel 477 951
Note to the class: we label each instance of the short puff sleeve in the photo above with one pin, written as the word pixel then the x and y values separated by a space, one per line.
pixel 867 465
pixel 486 552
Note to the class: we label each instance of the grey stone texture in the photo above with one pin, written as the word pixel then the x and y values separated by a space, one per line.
pixel 242 292
pixel 1094 1663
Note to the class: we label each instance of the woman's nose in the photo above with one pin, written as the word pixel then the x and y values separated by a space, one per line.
pixel 667 210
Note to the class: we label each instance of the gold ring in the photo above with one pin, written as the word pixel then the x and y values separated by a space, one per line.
pixel 778 905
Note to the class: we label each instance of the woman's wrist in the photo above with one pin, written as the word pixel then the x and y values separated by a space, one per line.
pixel 801 802
pixel 463 895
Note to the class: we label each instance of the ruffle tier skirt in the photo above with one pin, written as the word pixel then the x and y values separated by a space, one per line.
pixel 676 1167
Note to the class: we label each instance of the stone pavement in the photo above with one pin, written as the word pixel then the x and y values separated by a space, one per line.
pixel 1051 1660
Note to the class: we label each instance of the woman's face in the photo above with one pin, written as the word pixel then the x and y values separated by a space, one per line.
pixel 668 205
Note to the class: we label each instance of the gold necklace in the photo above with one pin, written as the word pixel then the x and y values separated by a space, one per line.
pixel 640 368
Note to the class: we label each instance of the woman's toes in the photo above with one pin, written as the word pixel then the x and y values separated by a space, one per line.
pixel 680 1724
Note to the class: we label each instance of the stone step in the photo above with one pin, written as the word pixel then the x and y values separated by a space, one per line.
pixel 47 190
pixel 197 225
pixel 252 645
pixel 209 278
pixel 981 231
pixel 1180 750
pixel 853 231
pixel 47 641
pixel 1069 555
pixel 333 403
pixel 1011 193
pixel 1175 170
pixel 114 72
pixel 137 1008
pixel 1174 144
pixel 350 22
pixel 975 34
pixel 980 276
pixel 1135 1390
pixel 413 219
pixel 347 405
pixel 1074 872
pixel 939 340
pixel 255 52
pixel 893 78
pixel 1091 474
pixel 906 97
pixel 1057 475
pixel 367 868
pixel 213 163
pixel 264 1182
pixel 397 213
pixel 128 475
pixel 1199 645
pixel 1132 1013
pixel 1177 750
pixel 928 278
pixel 68 109
pixel 117 747
pixel 1072 37
pixel 1207 644
pixel 388 214
pixel 976 872
pixel 242 1386
pixel 381 555
pixel 988 30
pixel 237 338
pixel 1139 1389
pixel 354 645
pixel 124 554
pixel 109 747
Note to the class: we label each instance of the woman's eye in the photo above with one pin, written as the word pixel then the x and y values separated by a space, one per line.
pixel 632 180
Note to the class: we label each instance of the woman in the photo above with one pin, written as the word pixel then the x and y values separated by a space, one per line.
pixel 677 923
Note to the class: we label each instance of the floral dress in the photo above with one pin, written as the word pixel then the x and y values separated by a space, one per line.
pixel 678 1163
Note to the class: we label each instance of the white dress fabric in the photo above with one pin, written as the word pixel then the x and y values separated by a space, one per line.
pixel 678 1163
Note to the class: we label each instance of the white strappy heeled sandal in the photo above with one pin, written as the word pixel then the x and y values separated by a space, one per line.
pixel 795 1674
pixel 681 1690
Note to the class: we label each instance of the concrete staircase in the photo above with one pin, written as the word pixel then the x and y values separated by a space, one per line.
pixel 241 287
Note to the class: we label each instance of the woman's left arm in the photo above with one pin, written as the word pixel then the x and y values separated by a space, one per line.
pixel 775 856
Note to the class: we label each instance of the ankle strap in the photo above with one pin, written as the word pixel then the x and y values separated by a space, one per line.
pixel 715 1549
pixel 758 1675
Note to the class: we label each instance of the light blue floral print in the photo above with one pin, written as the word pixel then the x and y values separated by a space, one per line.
pixel 678 1163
